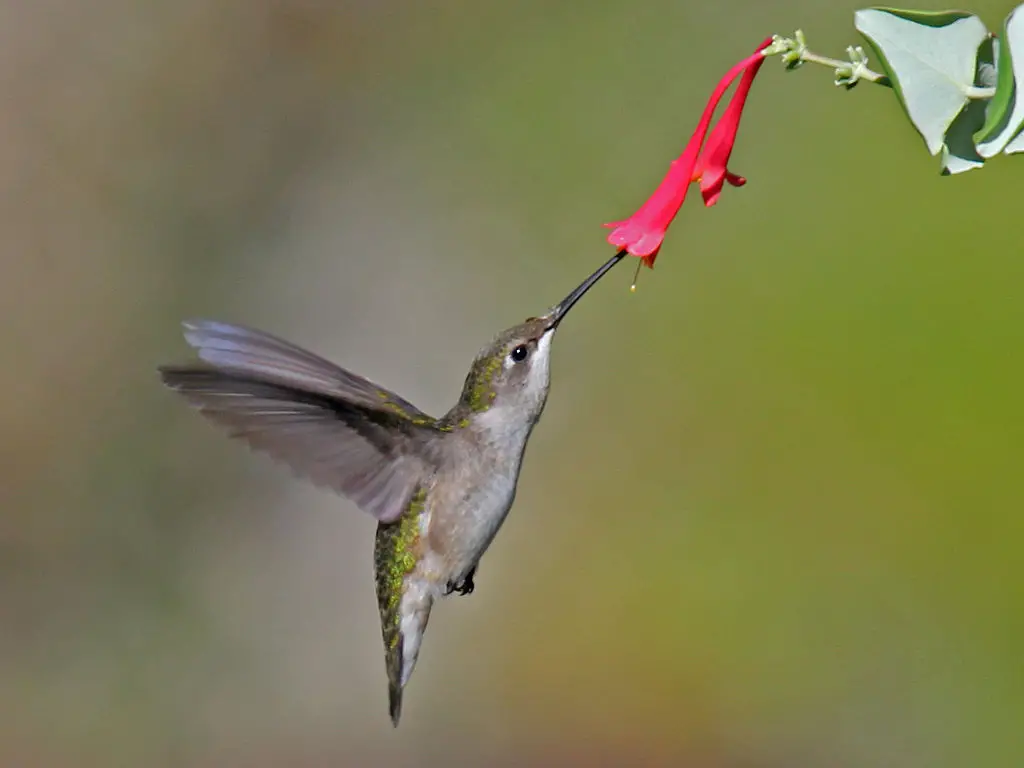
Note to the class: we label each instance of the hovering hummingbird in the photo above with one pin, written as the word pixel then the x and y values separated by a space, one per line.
pixel 439 488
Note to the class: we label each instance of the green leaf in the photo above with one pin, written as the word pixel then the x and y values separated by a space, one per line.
pixel 1005 110
pixel 930 59
pixel 1016 145
pixel 958 151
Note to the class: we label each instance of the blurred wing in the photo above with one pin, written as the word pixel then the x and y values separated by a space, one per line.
pixel 269 358
pixel 330 426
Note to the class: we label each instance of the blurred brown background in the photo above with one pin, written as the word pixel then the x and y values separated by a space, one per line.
pixel 772 516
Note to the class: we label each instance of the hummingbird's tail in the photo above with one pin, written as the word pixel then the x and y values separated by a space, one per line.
pixel 402 636
pixel 404 598
pixel 394 701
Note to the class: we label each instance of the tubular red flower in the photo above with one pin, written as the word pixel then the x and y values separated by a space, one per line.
pixel 643 233
pixel 711 169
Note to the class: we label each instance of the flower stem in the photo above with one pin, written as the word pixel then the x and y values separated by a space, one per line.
pixel 979 92
pixel 840 66
pixel 848 72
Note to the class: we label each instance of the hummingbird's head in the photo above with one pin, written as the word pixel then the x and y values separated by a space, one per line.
pixel 510 377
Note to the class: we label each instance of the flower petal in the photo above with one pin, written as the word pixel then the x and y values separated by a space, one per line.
pixel 718 148
pixel 643 233
pixel 736 181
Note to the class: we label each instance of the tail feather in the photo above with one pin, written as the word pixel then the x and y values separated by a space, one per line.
pixel 395 701
pixel 404 600
pixel 402 639
pixel 401 647
pixel 394 661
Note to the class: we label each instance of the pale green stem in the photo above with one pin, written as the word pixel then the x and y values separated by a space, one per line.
pixel 977 92
pixel 848 72
pixel 863 73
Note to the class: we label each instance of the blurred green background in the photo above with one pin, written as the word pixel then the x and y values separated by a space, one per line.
pixel 772 516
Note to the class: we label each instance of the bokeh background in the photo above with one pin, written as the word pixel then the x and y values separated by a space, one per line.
pixel 772 516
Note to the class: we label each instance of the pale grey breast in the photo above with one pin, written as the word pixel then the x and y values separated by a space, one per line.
pixel 469 511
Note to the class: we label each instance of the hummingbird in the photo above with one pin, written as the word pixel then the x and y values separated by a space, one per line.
pixel 439 488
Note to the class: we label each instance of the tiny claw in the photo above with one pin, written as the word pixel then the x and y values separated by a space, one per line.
pixel 464 587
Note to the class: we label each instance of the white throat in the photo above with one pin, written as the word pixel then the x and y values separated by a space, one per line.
pixel 505 422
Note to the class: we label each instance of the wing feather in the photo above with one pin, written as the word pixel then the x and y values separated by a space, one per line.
pixel 235 347
pixel 330 426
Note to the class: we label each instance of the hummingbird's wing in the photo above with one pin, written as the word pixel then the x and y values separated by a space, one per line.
pixel 330 426
pixel 250 351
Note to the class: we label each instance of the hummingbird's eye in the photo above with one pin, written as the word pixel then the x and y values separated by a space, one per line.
pixel 519 353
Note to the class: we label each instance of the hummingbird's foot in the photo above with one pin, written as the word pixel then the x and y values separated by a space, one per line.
pixel 464 587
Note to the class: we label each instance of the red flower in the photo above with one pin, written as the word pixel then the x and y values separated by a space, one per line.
pixel 711 168
pixel 643 232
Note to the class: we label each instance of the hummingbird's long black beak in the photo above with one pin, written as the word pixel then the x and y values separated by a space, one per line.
pixel 559 311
